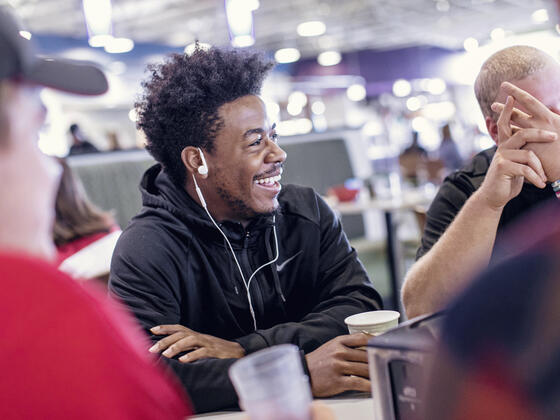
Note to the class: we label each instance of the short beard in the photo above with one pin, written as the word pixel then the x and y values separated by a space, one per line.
pixel 240 208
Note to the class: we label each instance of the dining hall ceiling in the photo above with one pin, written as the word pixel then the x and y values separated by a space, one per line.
pixel 350 24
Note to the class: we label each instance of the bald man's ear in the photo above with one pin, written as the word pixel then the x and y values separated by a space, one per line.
pixel 190 156
pixel 492 127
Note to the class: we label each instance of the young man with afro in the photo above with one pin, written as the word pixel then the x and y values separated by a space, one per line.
pixel 222 261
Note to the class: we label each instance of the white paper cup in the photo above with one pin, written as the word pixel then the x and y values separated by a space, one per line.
pixel 271 384
pixel 373 322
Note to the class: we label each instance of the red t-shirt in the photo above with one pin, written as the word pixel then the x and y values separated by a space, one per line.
pixel 68 352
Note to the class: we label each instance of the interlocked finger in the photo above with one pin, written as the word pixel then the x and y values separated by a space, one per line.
pixel 518 117
pixel 504 121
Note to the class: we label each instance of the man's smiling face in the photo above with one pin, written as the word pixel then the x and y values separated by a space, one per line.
pixel 245 164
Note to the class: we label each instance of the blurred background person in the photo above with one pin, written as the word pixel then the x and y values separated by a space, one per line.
pixel 448 152
pixel 84 235
pixel 80 144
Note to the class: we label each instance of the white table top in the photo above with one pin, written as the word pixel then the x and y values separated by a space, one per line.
pixel 408 199
pixel 343 407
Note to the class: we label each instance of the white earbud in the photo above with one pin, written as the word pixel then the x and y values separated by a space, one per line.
pixel 202 169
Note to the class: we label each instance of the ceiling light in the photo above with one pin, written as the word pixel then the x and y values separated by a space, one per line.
pixel 413 104
pixel 401 88
pixel 372 129
pixel 119 45
pixel 311 28
pixel 436 86
pixel 287 55
pixel 294 109
pixel 298 98
pixel 356 92
pixel 243 41
pixel 25 34
pixel 240 22
pixel 253 5
pixel 98 17
pixel 292 127
pixel 470 44
pixel 99 40
pixel 497 34
pixel 189 49
pixel 329 58
pixel 318 107
pixel 540 16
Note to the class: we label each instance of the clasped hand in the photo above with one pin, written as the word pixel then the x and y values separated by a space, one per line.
pixel 200 346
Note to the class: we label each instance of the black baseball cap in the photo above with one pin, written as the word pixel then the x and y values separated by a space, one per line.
pixel 18 61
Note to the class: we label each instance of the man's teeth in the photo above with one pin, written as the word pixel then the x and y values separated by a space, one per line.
pixel 269 181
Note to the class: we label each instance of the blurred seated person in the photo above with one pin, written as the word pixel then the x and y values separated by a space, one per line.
pixel 68 351
pixel 80 145
pixel 412 159
pixel 500 184
pixel 500 349
pixel 84 235
pixel 448 152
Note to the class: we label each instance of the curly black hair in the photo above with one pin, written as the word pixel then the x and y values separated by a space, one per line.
pixel 180 102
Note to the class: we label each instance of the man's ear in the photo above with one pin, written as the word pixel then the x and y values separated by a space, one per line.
pixel 492 128
pixel 190 156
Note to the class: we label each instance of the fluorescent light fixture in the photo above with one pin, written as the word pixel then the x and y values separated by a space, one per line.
pixel 253 4
pixel 540 16
pixel 401 88
pixel 329 58
pixel 99 40
pixel 243 41
pixel 356 92
pixel 470 44
pixel 98 17
pixel 240 22
pixel 287 55
pixel 311 28
pixel 25 34
pixel 318 107
pixel 189 49
pixel 119 45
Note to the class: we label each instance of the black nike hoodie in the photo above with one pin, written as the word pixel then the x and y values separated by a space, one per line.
pixel 172 266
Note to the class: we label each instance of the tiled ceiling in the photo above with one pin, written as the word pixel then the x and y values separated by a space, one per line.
pixel 351 24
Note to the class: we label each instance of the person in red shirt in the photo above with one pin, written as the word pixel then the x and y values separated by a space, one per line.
pixel 67 351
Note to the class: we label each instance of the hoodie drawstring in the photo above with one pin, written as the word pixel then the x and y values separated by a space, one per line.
pixel 273 266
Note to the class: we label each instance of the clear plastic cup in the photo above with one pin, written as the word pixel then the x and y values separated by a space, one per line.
pixel 271 384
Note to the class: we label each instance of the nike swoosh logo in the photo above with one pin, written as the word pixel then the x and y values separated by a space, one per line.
pixel 280 267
